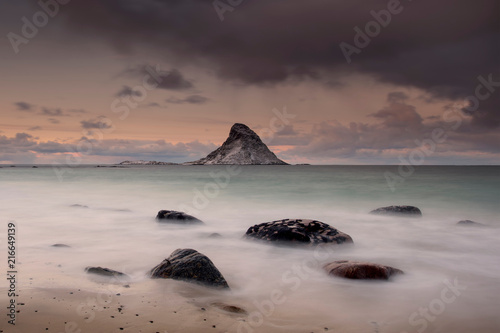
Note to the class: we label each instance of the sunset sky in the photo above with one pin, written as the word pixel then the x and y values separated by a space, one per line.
pixel 80 84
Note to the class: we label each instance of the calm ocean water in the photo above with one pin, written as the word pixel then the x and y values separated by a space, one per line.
pixel 117 229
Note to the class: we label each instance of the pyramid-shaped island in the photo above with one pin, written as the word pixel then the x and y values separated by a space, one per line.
pixel 242 147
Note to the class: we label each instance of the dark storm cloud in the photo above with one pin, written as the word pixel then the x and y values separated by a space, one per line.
pixel 24 106
pixel 168 80
pixel 52 112
pixel 397 96
pixel 399 115
pixel 174 80
pixel 192 99
pixel 439 46
pixel 128 91
pixel 95 124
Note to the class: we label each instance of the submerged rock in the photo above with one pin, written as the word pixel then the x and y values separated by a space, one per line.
pixel 303 231
pixel 79 206
pixel 172 216
pixel 360 270
pixel 60 245
pixel 398 210
pixel 191 266
pixel 230 308
pixel 469 223
pixel 104 271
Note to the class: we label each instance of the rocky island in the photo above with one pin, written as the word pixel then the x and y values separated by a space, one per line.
pixel 242 147
pixel 142 162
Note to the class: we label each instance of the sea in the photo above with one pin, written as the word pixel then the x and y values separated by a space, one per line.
pixel 106 215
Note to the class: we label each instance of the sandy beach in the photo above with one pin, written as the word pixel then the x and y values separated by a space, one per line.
pixel 150 306
pixel 167 306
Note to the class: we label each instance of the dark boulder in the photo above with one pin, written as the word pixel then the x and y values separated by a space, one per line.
pixel 398 210
pixel 469 223
pixel 79 206
pixel 191 266
pixel 360 270
pixel 229 308
pixel 172 216
pixel 104 272
pixel 298 231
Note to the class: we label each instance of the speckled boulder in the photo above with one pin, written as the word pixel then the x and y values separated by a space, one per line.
pixel 398 210
pixel 172 216
pixel 298 231
pixel 360 270
pixel 191 266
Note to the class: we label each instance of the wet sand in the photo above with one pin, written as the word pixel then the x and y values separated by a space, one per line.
pixel 148 306
pixel 167 306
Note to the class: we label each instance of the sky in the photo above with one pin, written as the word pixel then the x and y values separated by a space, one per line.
pixel 321 81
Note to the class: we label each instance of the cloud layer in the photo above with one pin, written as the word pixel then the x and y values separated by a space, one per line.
pixel 446 48
pixel 439 46
pixel 192 99
pixel 399 129
pixel 25 148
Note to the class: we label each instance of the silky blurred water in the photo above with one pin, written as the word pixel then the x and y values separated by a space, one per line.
pixel 117 229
